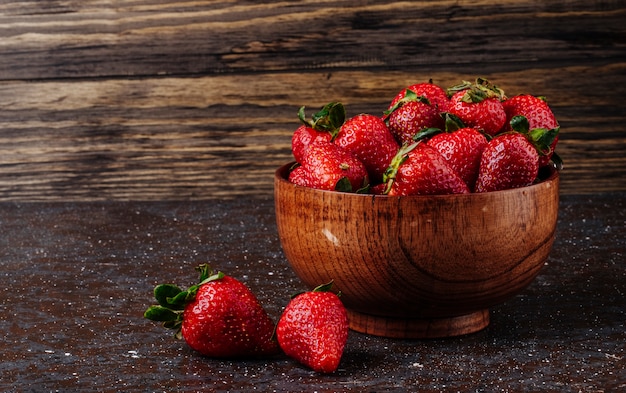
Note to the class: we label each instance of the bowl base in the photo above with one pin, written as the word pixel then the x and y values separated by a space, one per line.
pixel 418 328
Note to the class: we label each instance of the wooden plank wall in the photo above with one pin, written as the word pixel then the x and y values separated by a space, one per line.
pixel 182 100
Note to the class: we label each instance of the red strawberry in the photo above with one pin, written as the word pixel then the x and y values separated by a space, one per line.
pixel 478 105
pixel 329 167
pixel 509 161
pixel 419 169
pixel 378 189
pixel 300 176
pixel 303 137
pixel 462 149
pixel 539 116
pixel 219 317
pixel 320 128
pixel 313 329
pixel 410 115
pixel 368 138
pixel 433 93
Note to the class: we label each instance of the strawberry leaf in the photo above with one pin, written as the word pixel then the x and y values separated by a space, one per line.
pixel 453 122
pixel 464 85
pixel 302 117
pixel 392 170
pixel 477 92
pixel 324 287
pixel 544 137
pixel 179 301
pixel 520 123
pixel 329 119
pixel 364 190
pixel 426 133
pixel 164 292
pixel 343 185
pixel 160 314
pixel 205 271
pixel 409 96
pixel 173 300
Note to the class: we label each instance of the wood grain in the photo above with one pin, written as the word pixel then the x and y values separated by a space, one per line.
pixel 150 100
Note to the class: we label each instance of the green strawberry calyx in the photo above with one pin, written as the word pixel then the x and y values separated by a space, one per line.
pixel 324 287
pixel 478 91
pixel 452 123
pixel 320 288
pixel 172 300
pixel 541 138
pixel 396 162
pixel 328 119
pixel 409 96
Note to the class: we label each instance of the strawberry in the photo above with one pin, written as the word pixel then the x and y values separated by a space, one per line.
pixel 320 128
pixel 329 167
pixel 509 160
pixel 300 176
pixel 433 93
pixel 462 149
pixel 410 115
pixel 368 138
pixel 219 317
pixel 303 136
pixel 419 169
pixel 478 105
pixel 539 116
pixel 313 329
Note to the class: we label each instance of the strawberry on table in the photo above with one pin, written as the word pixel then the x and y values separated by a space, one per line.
pixel 368 138
pixel 419 169
pixel 219 317
pixel 326 166
pixel 313 329
pixel 478 105
pixel 509 160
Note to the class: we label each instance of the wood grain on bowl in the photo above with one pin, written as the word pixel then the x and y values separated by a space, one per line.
pixel 419 265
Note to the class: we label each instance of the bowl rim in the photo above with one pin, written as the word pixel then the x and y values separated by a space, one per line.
pixel 550 177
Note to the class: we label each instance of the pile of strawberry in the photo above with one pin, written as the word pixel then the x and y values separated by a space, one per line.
pixel 430 140
pixel 220 317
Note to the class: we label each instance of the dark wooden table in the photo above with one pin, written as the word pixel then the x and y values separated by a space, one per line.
pixel 139 139
pixel 77 278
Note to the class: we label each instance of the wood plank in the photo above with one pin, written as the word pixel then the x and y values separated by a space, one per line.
pixel 153 99
pixel 94 39
pixel 206 137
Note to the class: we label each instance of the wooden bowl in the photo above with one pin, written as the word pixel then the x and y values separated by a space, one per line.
pixel 418 266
